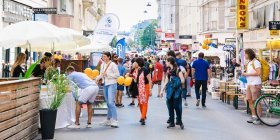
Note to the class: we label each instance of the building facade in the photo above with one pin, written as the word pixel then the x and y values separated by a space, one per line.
pixel 218 22
pixel 13 11
pixel 167 19
pixel 260 13
pixel 80 15
pixel 189 23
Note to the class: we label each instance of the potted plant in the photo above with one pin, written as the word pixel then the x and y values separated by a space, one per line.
pixel 58 86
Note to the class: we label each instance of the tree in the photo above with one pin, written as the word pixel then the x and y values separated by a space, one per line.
pixel 114 42
pixel 130 43
pixel 148 37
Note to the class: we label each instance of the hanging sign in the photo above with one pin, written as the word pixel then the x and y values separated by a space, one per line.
pixel 274 32
pixel 242 14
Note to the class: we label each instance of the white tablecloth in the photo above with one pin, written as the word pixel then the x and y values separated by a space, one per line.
pixel 214 84
pixel 65 113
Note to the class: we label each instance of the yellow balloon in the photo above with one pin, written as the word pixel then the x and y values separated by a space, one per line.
pixel 127 81
pixel 204 46
pixel 151 66
pixel 88 71
pixel 205 42
pixel 209 41
pixel 207 48
pixel 59 57
pixel 94 73
pixel 121 80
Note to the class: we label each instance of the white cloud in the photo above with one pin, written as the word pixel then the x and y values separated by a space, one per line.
pixel 131 12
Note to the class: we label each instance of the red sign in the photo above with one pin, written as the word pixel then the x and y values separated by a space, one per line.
pixel 158 30
pixel 169 35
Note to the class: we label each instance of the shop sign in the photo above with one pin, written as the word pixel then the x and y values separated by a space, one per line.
pixel 185 37
pixel 45 10
pixel 274 25
pixel 242 14
pixel 169 35
pixel 274 32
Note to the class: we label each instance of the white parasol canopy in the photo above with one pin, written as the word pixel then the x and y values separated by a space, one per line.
pixel 213 52
pixel 162 53
pixel 93 47
pixel 38 36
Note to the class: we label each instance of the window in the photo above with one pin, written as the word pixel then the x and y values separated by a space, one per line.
pixel 62 5
pixel 171 19
pixel 231 23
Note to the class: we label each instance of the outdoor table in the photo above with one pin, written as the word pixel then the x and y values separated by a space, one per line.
pixel 65 113
pixel 270 90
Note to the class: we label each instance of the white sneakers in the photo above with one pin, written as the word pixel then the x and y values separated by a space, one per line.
pixel 185 102
pixel 89 125
pixel 105 123
pixel 112 123
pixel 73 126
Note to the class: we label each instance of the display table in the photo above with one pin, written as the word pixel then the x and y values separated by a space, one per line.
pixel 65 113
pixel 214 84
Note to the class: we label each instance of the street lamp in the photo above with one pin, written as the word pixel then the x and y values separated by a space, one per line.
pixel 145 11
pixel 149 4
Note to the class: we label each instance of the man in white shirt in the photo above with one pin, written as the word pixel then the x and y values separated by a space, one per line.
pixel 254 83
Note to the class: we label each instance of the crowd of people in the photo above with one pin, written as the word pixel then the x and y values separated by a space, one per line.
pixel 172 74
pixel 173 71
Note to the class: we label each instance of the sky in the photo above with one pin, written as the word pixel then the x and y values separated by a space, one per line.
pixel 130 12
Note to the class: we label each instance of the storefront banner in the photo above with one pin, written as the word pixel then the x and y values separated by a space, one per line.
pixel 106 29
pixel 121 48
pixel 242 14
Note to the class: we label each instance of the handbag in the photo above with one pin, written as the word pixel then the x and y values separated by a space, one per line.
pixel 100 81
pixel 191 83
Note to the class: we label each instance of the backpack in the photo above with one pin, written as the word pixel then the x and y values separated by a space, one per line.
pixel 173 87
pixel 265 69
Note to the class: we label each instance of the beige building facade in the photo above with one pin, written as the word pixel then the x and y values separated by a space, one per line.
pixel 80 15
pixel 260 13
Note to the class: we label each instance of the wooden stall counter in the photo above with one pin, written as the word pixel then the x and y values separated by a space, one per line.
pixel 19 102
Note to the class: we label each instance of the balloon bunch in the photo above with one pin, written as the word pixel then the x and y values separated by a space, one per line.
pixel 206 44
pixel 125 81
pixel 57 57
pixel 92 74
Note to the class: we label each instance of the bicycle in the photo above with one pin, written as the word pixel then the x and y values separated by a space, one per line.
pixel 270 104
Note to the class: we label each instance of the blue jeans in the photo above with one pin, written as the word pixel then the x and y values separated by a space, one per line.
pixel 110 93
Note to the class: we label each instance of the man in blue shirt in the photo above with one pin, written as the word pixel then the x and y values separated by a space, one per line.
pixel 202 72
pixel 87 94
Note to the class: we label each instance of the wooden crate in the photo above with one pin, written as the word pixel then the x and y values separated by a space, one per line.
pixel 19 108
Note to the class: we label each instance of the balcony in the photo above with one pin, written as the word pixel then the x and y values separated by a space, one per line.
pixel 88 3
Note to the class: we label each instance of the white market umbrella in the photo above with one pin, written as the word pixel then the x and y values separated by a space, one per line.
pixel 161 53
pixel 37 36
pixel 213 52
pixel 78 37
pixel 93 47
